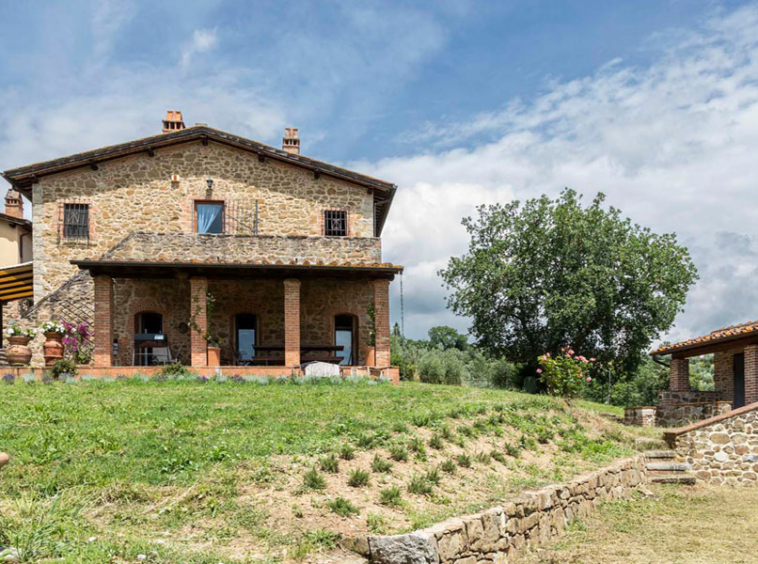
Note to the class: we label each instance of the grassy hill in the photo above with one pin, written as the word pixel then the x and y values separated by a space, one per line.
pixel 185 471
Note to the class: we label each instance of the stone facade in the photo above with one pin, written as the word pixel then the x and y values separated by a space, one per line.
pixel 723 450
pixel 136 194
pixel 502 533
pixel 246 249
pixel 686 413
pixel 639 416
pixel 137 212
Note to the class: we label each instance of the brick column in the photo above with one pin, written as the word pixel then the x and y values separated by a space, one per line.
pixel 382 322
pixel 680 375
pixel 198 304
pixel 291 322
pixel 103 354
pixel 751 374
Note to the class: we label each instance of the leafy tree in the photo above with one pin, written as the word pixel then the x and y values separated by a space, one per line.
pixel 549 273
pixel 447 338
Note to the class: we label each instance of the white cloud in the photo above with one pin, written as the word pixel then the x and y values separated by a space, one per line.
pixel 672 144
pixel 203 40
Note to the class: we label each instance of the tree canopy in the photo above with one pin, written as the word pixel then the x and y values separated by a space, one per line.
pixel 447 338
pixel 548 273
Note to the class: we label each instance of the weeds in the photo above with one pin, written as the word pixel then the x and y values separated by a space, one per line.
pixel 330 464
pixel 381 465
pixel 358 478
pixel 419 485
pixel 312 480
pixel 342 507
pixel 398 453
pixel 391 497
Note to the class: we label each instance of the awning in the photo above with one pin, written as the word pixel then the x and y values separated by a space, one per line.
pixel 16 282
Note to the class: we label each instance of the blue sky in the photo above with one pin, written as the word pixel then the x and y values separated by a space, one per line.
pixel 459 103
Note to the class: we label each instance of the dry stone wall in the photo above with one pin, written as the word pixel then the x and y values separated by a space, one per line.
pixel 723 451
pixel 499 534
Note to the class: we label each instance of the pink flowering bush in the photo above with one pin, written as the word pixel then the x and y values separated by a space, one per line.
pixel 77 339
pixel 564 374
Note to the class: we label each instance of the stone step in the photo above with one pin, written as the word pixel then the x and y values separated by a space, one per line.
pixel 667 467
pixel 660 454
pixel 644 443
pixel 682 479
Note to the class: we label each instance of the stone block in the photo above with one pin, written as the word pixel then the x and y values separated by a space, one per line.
pixel 413 548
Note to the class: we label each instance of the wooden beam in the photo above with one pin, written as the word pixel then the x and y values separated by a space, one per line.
pixel 18 296
pixel 316 174
pixel 12 291
pixel 93 165
pixel 6 285
pixel 150 152
pixel 261 158
pixel 204 139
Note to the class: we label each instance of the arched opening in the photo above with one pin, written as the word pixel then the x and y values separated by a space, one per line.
pixel 245 333
pixel 346 336
pixel 150 346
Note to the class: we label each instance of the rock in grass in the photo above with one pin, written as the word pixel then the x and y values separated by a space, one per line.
pixel 4 458
pixel 9 554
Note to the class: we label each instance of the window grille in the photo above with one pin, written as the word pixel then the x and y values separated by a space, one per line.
pixel 76 221
pixel 335 223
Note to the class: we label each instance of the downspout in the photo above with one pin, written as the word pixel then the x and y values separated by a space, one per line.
pixel 659 361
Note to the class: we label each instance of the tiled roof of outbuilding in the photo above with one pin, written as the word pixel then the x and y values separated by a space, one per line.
pixel 747 329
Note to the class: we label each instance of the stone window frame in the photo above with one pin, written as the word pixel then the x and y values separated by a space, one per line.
pixel 76 241
pixel 348 222
pixel 193 219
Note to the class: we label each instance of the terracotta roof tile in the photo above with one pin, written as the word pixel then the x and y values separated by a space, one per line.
pixel 725 333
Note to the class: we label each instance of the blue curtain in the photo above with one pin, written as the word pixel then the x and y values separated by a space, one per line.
pixel 209 218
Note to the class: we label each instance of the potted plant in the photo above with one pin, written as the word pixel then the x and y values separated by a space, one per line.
pixel 53 347
pixel 214 350
pixel 19 353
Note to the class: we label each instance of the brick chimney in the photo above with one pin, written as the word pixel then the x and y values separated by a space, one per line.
pixel 290 141
pixel 173 121
pixel 14 205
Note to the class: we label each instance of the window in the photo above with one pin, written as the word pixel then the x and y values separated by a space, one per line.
pixel 209 217
pixel 335 223
pixel 76 221
pixel 344 335
pixel 245 331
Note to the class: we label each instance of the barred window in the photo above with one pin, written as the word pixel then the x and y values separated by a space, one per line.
pixel 76 221
pixel 335 223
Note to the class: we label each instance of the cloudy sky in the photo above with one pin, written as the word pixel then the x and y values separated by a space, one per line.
pixel 653 102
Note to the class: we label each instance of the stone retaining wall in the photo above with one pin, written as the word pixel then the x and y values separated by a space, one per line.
pixel 723 450
pixel 640 416
pixel 500 533
pixel 686 413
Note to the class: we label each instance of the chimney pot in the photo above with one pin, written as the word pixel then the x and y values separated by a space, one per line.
pixel 14 205
pixel 173 121
pixel 290 141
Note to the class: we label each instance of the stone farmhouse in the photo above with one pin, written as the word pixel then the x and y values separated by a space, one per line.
pixel 210 249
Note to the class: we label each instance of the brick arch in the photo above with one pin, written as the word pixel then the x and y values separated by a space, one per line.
pixel 143 305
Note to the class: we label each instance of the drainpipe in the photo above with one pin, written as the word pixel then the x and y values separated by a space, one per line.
pixel 659 361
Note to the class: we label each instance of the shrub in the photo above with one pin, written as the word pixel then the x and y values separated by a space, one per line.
pixel 312 480
pixel 347 452
pixel 173 370
pixel 342 507
pixel 564 374
pixel 399 453
pixel 380 465
pixel 419 485
pixel 9 378
pixel 330 464
pixel 442 367
pixel 64 366
pixel 358 478
pixel 391 496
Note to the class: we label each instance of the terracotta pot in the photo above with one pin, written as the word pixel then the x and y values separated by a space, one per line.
pixel 53 348
pixel 18 353
pixel 369 354
pixel 214 356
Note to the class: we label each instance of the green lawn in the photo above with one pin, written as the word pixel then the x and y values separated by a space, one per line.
pixel 210 472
